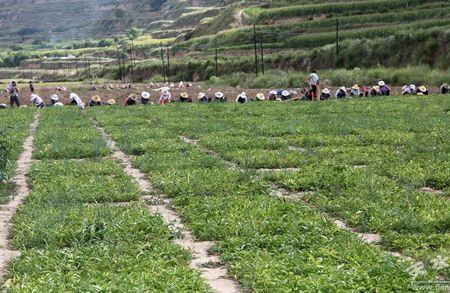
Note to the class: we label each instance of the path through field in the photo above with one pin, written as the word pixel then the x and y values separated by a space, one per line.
pixel 207 264
pixel 8 210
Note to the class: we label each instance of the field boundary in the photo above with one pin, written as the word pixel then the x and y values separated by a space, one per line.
pixel 21 192
pixel 209 266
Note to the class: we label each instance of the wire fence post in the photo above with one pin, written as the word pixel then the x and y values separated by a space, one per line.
pixel 262 53
pixel 256 50
pixel 337 41
pixel 216 58
pixel 123 71
pixel 163 63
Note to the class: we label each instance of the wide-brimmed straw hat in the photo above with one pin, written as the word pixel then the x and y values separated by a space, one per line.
pixel 96 99
pixel 285 93
pixel 54 97
pixel 355 87
pixel 111 102
pixel 133 97
pixel 445 84
pixel 201 95
pixel 422 88
pixel 145 95
pixel 376 88
pixel 381 83
pixel 326 91
pixel 184 95
pixel 219 95
pixel 260 96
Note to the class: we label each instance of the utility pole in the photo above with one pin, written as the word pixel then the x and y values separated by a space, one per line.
pixel 163 65
pixel 337 41
pixel 262 53
pixel 168 64
pixel 216 59
pixel 132 64
pixel 256 50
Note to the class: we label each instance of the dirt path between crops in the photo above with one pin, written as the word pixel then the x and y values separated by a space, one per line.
pixel 8 210
pixel 209 266
pixel 281 193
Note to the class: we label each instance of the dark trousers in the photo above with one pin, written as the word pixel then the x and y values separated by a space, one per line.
pixel 14 100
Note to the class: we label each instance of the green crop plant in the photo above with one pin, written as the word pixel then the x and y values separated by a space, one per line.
pixel 66 133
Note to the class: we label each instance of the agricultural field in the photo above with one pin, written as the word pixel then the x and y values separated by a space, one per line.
pixel 337 195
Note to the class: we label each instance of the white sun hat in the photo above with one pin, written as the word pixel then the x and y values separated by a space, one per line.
pixel 343 88
pixel 260 96
pixel 73 96
pixel 54 97
pixel 272 93
pixel 219 95
pixel 381 83
pixel 59 104
pixel 412 87
pixel 145 95
pixel 285 93
pixel 326 91
pixel 201 95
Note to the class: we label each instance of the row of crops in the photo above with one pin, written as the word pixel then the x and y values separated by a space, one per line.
pixel 73 237
pixel 366 162
pixel 13 130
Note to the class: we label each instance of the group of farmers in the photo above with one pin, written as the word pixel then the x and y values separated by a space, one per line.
pixel 311 93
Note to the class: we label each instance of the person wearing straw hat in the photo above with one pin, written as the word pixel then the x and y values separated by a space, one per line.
pixel 145 98
pixel 325 94
pixel 219 97
pixel 341 93
pixel 131 100
pixel 37 101
pixel 260 97
pixel 54 99
pixel 242 98
pixel 385 90
pixel 203 98
pixel 95 101
pixel 355 91
pixel 444 88
pixel 423 91
pixel 184 98
pixel 75 100
pixel 375 91
pixel 111 102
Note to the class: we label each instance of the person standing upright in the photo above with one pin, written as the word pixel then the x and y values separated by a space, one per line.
pixel 313 81
pixel 13 93
pixel 31 87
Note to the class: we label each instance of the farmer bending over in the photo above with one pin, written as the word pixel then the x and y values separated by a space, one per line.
pixel 184 98
pixel 241 98
pixel 341 93
pixel 131 100
pixel 444 88
pixel 95 101
pixel 325 95
pixel 37 101
pixel 220 97
pixel 145 98
pixel 76 101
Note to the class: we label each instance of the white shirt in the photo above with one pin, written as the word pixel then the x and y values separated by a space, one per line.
pixel 78 101
pixel 36 100
pixel 313 79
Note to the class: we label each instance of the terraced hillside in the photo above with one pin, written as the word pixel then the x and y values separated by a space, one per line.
pixel 217 38
pixel 56 19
